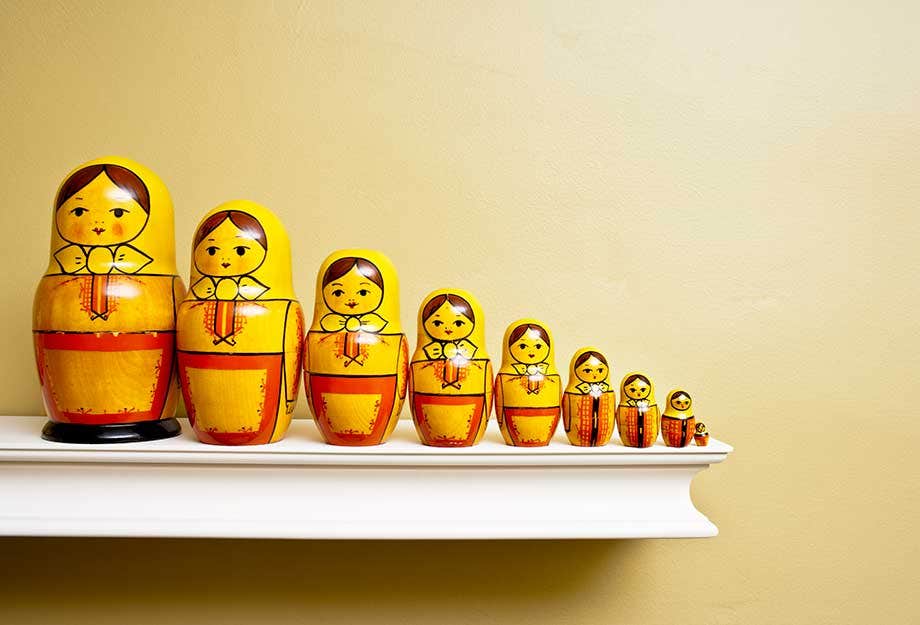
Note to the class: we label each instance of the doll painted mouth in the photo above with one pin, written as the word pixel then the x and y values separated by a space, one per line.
pixel 351 304
pixel 225 265
pixel 98 231
pixel 448 332
pixel 531 355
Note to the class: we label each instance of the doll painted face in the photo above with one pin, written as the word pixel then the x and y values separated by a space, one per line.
pixel 229 244
pixel 591 370
pixel 451 321
pixel 638 388
pixel 102 212
pixel 356 290
pixel 531 347
pixel 681 401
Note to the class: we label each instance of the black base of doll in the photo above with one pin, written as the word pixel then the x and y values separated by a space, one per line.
pixel 113 433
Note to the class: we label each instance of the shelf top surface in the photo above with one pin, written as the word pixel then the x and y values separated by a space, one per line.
pixel 20 441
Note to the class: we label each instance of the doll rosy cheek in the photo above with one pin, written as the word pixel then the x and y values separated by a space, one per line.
pixel 118 230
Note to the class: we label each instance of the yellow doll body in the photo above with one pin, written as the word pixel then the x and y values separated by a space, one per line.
pixel 450 381
pixel 240 330
pixel 356 362
pixel 528 389
pixel 104 313
pixel 677 422
pixel 637 413
pixel 587 404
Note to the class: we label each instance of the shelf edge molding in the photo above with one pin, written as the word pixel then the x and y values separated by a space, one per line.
pixel 306 490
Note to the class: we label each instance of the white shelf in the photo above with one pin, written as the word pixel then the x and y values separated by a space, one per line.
pixel 303 488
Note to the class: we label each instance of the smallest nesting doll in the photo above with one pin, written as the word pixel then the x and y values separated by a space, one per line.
pixel 450 378
pixel 240 329
pixel 701 435
pixel 528 389
pixel 637 413
pixel 587 404
pixel 677 422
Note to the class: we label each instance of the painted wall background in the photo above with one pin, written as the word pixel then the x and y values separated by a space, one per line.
pixel 722 193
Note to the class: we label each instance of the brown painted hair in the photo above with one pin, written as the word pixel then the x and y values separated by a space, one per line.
pixel 343 265
pixel 459 304
pixel 244 221
pixel 587 355
pixel 634 377
pixel 519 331
pixel 122 177
pixel 678 394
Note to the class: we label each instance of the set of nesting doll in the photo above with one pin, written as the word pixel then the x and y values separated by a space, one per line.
pixel 117 337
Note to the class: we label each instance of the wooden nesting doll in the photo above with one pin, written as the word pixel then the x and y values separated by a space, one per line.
pixel 528 390
pixel 240 329
pixel 356 362
pixel 104 313
pixel 701 434
pixel 637 414
pixel 588 401
pixel 677 422
pixel 450 378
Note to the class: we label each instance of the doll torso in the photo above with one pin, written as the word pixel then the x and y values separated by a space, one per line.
pixel 251 347
pixel 356 383
pixel 105 346
pixel 530 405
pixel 588 414
pixel 451 394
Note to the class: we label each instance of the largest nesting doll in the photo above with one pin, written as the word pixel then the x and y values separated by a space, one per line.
pixel 240 330
pixel 104 314
pixel 450 379
pixel 356 361
pixel 528 390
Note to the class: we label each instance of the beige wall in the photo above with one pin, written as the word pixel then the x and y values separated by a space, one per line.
pixel 722 193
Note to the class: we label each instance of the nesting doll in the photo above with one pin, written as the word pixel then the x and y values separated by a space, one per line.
pixel 104 313
pixel 701 434
pixel 356 361
pixel 528 390
pixel 240 329
pixel 637 413
pixel 588 401
pixel 677 422
pixel 450 378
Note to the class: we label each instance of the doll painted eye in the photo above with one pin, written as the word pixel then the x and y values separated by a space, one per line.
pixel 78 211
pixel 538 346
pixel 118 212
pixel 437 323
pixel 459 323
pixel 587 370
pixel 364 292
pixel 241 249
pixel 338 292
pixel 212 250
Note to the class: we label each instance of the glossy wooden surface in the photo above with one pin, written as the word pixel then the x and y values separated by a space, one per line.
pixel 104 312
pixel 638 418
pixel 450 376
pixel 588 401
pixel 677 423
pixel 356 359
pixel 240 330
pixel 528 389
